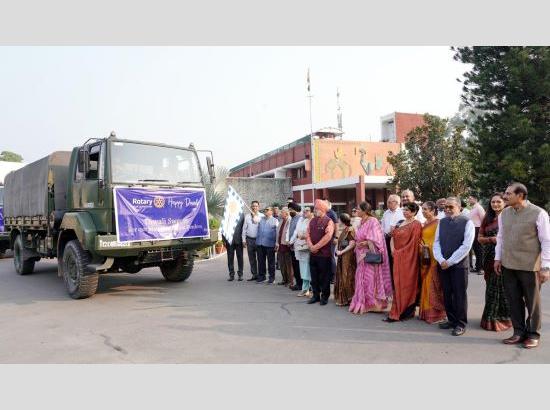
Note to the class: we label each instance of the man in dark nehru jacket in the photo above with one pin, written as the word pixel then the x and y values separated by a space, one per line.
pixel 453 240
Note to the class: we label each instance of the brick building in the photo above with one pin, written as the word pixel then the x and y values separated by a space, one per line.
pixel 325 166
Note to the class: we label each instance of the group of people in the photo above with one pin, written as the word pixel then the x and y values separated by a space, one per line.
pixel 415 256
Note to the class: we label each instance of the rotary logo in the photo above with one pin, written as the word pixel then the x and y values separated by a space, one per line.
pixel 159 202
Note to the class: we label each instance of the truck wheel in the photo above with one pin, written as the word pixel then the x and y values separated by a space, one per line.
pixel 22 266
pixel 178 270
pixel 80 284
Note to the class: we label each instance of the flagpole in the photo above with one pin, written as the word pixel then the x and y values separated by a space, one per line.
pixel 310 96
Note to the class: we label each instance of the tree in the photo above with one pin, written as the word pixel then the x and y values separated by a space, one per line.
pixel 509 88
pixel 216 192
pixel 9 156
pixel 433 164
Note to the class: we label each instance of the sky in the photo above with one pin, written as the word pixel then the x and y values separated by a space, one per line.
pixel 239 102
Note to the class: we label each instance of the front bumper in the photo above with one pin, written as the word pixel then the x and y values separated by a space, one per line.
pixel 107 245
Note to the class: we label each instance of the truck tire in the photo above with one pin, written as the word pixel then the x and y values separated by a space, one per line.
pixel 178 270
pixel 80 284
pixel 22 266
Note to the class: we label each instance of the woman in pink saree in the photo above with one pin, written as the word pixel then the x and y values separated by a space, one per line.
pixel 372 281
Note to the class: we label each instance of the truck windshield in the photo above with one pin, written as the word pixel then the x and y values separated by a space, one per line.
pixel 132 162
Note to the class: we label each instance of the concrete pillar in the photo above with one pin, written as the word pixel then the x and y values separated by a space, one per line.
pixel 360 190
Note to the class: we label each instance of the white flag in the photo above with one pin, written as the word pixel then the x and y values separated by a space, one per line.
pixel 232 212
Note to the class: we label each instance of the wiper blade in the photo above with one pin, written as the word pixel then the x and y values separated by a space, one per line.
pixel 153 180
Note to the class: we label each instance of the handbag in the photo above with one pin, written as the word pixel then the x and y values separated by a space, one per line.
pixel 373 258
pixel 425 255
pixel 343 244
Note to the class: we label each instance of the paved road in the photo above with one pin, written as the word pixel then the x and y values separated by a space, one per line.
pixel 143 319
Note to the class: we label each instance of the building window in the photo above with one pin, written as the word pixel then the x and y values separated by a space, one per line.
pixel 300 173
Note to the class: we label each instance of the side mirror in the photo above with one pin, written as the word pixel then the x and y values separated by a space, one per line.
pixel 83 161
pixel 211 172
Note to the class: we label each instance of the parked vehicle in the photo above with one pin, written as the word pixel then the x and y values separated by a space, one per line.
pixel 68 206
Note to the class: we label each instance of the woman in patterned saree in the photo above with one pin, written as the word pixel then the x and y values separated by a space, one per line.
pixel 344 284
pixel 432 308
pixel 496 314
pixel 404 244
pixel 372 281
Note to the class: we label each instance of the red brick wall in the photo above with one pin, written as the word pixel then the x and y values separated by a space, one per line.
pixel 405 123
pixel 288 156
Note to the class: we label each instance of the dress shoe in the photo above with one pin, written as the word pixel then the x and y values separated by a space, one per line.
pixel 323 302
pixel 240 279
pixel 313 300
pixel 252 278
pixel 530 343
pixel 513 340
pixel 281 283
pixel 389 320
pixel 458 331
pixel 296 287
pixel 231 279
pixel 445 325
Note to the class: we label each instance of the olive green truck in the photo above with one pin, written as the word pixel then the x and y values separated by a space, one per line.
pixel 63 206
pixel 4 237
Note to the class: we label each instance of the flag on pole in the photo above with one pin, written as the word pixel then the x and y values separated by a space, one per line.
pixel 308 82
pixel 232 212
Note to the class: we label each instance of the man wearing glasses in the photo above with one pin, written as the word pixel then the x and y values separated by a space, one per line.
pixel 522 256
pixel 391 217
pixel 453 240
pixel 249 233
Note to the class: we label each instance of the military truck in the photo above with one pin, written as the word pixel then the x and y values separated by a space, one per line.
pixel 63 206
pixel 4 236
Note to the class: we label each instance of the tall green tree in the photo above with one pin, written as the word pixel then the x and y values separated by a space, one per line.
pixel 433 164
pixel 9 156
pixel 509 90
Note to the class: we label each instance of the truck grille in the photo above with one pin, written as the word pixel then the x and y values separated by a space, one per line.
pixel 161 255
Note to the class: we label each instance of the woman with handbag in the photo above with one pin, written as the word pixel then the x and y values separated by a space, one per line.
pixel 344 284
pixel 372 276
pixel 404 245
pixel 301 250
pixel 432 306
pixel 496 313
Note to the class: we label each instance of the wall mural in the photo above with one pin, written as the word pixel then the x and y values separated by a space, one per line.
pixel 338 162
pixel 335 159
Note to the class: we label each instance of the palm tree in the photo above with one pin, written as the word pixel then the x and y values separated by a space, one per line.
pixel 216 192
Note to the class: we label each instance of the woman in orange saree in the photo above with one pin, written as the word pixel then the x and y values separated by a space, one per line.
pixel 406 265
pixel 432 308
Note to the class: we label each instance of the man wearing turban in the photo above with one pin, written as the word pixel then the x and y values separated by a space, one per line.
pixel 319 237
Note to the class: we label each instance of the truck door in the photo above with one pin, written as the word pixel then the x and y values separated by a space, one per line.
pixel 86 186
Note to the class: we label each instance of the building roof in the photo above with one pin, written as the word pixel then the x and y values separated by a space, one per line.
pixel 299 141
